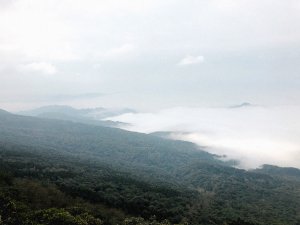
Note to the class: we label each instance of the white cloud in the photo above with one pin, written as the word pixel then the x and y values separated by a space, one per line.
pixel 253 135
pixel 39 67
pixel 122 52
pixel 190 60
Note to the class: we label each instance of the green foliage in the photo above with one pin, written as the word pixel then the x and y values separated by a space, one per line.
pixel 55 216
pixel 8 211
pixel 54 172
pixel 141 221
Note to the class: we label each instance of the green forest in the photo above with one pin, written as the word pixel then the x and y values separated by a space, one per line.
pixel 55 172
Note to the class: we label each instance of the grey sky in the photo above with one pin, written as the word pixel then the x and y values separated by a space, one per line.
pixel 149 54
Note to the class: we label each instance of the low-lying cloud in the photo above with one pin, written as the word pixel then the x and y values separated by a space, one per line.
pixel 253 135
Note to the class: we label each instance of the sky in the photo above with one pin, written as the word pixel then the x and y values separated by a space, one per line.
pixel 149 54
pixel 179 63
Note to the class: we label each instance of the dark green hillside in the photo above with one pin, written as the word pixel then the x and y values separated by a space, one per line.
pixel 59 172
pixel 93 184
pixel 138 152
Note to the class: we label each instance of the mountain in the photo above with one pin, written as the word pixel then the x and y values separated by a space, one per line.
pixel 242 105
pixel 112 145
pixel 61 172
pixel 93 116
pixel 162 134
pixel 288 172
pixel 91 113
pixel 67 110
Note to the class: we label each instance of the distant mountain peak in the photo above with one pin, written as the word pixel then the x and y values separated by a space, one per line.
pixel 50 108
pixel 96 116
pixel 55 107
pixel 244 104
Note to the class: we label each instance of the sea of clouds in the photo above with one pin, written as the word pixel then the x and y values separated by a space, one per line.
pixel 253 135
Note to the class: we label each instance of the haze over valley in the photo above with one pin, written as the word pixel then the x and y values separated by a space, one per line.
pixel 253 135
pixel 148 112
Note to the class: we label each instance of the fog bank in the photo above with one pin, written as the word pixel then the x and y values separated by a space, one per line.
pixel 254 135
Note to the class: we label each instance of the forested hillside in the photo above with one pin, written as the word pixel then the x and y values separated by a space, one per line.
pixel 59 172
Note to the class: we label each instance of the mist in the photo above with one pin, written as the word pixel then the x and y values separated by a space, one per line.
pixel 162 54
pixel 253 135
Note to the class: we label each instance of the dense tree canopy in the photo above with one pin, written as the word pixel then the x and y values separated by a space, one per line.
pixel 58 172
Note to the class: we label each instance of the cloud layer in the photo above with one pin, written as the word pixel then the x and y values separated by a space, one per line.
pixel 253 135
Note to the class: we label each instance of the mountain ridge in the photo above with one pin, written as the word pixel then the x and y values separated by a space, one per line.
pixel 143 174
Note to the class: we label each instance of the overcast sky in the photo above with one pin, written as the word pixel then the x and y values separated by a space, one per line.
pixel 149 54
